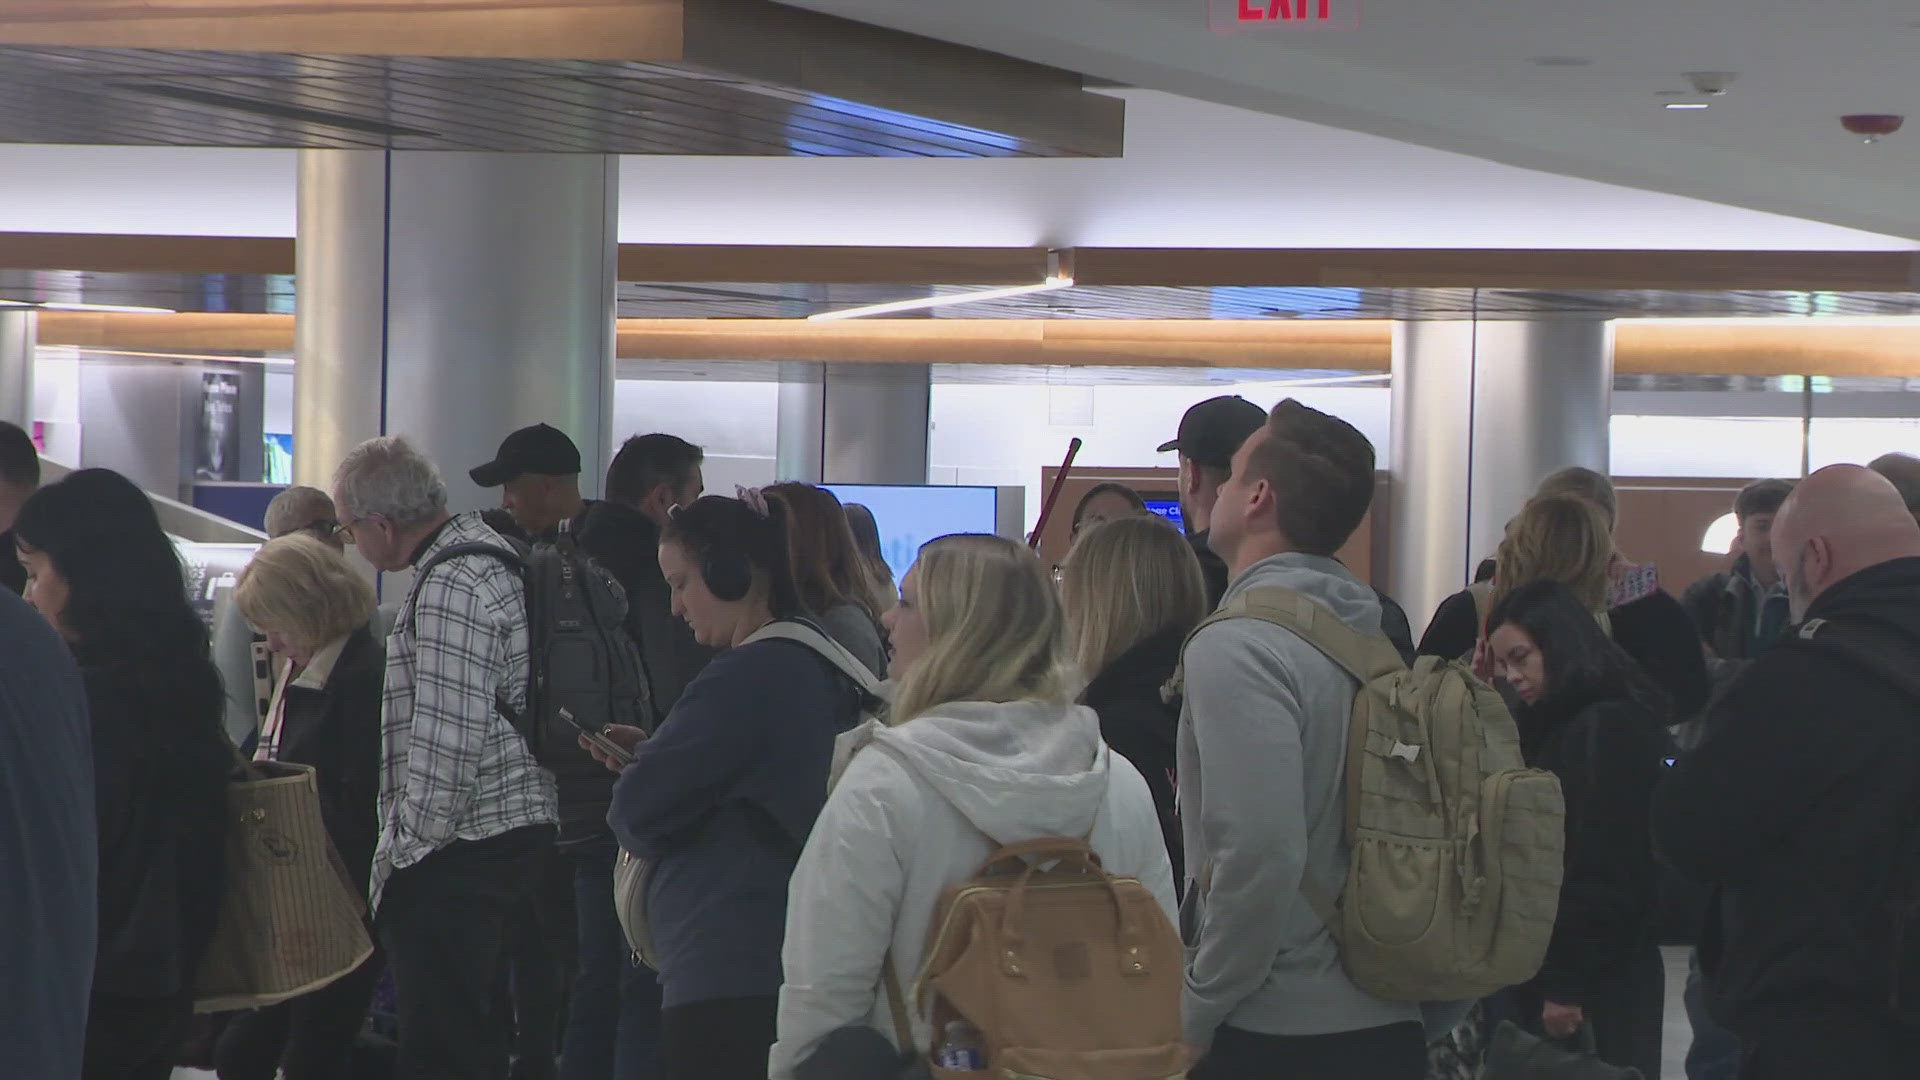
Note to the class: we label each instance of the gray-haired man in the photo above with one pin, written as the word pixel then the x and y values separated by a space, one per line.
pixel 465 813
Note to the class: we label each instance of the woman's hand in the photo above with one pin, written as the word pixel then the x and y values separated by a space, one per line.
pixel 620 735
pixel 1561 1021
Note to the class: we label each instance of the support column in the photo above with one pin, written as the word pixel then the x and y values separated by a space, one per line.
pixel 19 336
pixel 854 423
pixel 452 298
pixel 1482 412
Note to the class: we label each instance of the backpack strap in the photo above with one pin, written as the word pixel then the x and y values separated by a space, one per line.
pixel 829 650
pixel 1364 656
pixel 515 562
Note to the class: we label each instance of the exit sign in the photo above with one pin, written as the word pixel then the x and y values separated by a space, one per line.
pixel 1283 14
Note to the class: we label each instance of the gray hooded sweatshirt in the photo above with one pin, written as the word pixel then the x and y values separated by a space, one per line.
pixel 1262 751
pixel 917 810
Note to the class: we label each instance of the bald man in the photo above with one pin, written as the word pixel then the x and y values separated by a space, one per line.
pixel 1800 803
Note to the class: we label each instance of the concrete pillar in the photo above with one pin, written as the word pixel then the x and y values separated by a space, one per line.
pixel 854 423
pixel 19 336
pixel 452 298
pixel 1482 411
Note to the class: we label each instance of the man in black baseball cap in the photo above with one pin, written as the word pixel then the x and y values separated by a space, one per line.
pixel 1210 434
pixel 538 472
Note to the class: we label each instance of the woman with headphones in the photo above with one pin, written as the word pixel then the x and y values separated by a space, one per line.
pixel 720 800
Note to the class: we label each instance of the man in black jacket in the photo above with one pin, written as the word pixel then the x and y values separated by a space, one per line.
pixel 1798 806
pixel 613 1015
pixel 19 478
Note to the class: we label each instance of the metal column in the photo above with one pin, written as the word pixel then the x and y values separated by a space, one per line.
pixel 19 336
pixel 1482 412
pixel 454 297
pixel 854 423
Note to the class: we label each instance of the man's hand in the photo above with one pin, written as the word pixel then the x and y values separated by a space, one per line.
pixel 1561 1021
pixel 620 735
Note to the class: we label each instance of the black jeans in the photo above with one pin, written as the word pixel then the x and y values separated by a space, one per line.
pixel 726 1039
pixel 540 956
pixel 135 1038
pixel 443 922
pixel 613 1017
pixel 1838 1044
pixel 1395 1052
pixel 310 1036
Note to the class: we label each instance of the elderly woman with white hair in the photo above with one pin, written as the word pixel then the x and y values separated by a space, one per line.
pixel 313 608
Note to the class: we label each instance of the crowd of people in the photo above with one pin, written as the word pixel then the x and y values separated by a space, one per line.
pixel 737 884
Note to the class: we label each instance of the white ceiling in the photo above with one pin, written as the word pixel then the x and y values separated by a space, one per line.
pixel 1459 75
pixel 1195 175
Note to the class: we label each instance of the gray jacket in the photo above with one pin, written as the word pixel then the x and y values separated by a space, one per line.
pixel 1263 738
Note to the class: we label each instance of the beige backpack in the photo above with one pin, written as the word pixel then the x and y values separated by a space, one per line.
pixel 1046 966
pixel 1457 846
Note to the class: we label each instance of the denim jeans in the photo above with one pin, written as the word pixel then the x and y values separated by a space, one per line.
pixel 613 1025
pixel 1715 1053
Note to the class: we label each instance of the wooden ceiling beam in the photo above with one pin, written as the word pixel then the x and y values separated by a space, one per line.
pixel 1811 271
pixel 1641 346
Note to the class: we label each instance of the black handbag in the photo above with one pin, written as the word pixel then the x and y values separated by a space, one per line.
pixel 1516 1054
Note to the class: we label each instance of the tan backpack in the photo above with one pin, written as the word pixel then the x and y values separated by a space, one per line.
pixel 1457 846
pixel 1055 969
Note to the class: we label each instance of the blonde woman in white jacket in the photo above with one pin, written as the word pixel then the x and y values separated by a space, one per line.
pixel 986 749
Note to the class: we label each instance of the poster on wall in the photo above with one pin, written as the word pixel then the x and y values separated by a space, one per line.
pixel 218 452
pixel 212 571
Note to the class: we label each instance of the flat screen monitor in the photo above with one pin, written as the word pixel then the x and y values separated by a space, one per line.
pixel 1169 509
pixel 910 515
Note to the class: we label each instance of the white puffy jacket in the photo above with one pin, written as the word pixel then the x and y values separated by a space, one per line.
pixel 918 809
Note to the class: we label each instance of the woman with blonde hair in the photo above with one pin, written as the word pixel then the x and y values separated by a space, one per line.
pixel 1559 538
pixel 985 748
pixel 313 607
pixel 1133 591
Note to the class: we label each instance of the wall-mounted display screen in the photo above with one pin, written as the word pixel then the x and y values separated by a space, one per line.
pixel 909 516
pixel 1169 509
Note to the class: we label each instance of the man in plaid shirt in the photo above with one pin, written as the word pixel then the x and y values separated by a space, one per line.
pixel 465 813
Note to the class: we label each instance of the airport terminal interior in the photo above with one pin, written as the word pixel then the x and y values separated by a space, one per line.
pixel 935 255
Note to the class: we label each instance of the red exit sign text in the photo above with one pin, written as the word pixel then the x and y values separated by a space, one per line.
pixel 1283 14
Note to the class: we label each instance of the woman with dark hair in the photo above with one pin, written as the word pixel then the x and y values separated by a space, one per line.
pixel 828 575
pixel 1105 502
pixel 866 540
pixel 720 800
pixel 1589 715
pixel 105 576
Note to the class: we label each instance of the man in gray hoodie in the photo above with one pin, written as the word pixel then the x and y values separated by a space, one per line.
pixel 1263 739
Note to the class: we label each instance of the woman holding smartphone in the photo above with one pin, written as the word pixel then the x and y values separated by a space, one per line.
pixel 720 800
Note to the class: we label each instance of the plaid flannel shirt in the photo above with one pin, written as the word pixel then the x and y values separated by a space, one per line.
pixel 453 767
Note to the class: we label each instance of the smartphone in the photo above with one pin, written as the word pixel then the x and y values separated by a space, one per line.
pixel 598 738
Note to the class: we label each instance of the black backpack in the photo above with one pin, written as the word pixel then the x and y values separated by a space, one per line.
pixel 1886 653
pixel 583 669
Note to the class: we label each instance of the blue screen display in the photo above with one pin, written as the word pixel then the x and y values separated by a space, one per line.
pixel 910 516
pixel 1169 509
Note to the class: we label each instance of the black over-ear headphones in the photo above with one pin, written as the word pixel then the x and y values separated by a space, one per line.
pixel 728 572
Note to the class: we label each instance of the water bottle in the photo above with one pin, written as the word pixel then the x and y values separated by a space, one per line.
pixel 961 1049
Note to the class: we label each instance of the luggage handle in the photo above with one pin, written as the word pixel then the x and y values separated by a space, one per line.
pixel 1133 960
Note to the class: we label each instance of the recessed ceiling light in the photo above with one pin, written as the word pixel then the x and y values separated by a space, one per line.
pixel 1688 105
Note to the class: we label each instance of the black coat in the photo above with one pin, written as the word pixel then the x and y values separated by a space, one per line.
pixel 336 729
pixel 161 762
pixel 625 543
pixel 1142 727
pixel 1655 630
pixel 1795 807
pixel 1609 756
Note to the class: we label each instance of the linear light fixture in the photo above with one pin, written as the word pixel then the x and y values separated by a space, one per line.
pixel 74 305
pixel 1059 276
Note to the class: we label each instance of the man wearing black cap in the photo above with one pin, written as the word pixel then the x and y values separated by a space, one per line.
pixel 1210 434
pixel 613 1019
